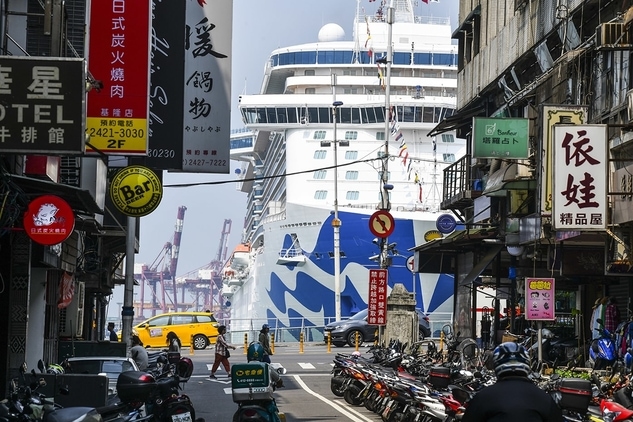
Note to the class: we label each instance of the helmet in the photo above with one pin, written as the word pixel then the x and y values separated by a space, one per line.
pixel 265 327
pixel 55 369
pixel 355 354
pixel 511 359
pixel 255 352
pixel 184 369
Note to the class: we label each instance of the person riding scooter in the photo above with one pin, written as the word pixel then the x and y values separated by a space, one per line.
pixel 256 352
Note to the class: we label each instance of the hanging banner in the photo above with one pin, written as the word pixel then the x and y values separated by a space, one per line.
pixel 539 299
pixel 66 290
pixel 49 220
pixel 118 56
pixel 580 177
pixel 377 304
pixel 207 86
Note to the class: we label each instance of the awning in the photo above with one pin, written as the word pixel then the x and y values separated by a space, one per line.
pixel 506 179
pixel 479 267
pixel 462 118
pixel 79 199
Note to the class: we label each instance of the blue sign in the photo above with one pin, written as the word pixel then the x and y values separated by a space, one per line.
pixel 445 223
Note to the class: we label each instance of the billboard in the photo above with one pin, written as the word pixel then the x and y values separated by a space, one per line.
pixel 377 304
pixel 500 137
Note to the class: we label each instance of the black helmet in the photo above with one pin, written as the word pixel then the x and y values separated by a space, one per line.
pixel 184 369
pixel 511 359
pixel 255 352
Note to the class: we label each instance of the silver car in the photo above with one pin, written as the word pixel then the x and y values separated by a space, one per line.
pixel 110 366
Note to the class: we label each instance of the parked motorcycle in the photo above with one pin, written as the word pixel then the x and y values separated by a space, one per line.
pixel 602 352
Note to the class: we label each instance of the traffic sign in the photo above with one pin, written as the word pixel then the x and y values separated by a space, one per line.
pixel 445 223
pixel 411 263
pixel 381 224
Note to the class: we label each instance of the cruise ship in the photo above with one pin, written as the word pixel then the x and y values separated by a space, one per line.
pixel 283 272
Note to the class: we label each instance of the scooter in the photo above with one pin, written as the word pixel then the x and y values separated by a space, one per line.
pixel 602 353
pixel 252 389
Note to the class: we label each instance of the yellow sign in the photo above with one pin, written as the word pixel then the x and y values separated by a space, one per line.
pixel 432 234
pixel 117 136
pixel 136 191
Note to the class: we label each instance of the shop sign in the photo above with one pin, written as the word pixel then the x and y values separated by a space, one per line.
pixel 539 299
pixel 580 177
pixel 42 105
pixel 136 191
pixel 377 306
pixel 118 56
pixel 49 220
pixel 500 137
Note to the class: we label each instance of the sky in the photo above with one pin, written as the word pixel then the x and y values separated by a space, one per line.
pixel 259 27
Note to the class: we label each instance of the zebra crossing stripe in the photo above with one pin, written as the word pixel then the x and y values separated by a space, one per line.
pixel 306 365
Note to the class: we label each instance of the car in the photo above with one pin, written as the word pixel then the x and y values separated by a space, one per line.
pixel 111 366
pixel 344 332
pixel 201 328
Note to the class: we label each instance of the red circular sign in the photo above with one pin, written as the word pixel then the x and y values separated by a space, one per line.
pixel 49 220
pixel 381 224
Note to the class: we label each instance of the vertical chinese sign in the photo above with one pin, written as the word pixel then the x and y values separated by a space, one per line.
pixel 377 303
pixel 42 105
pixel 207 86
pixel 118 55
pixel 580 177
pixel 539 298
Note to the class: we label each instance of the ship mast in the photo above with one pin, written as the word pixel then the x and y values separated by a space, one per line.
pixel 356 53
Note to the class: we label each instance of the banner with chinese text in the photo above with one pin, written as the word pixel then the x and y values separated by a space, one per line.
pixel 539 299
pixel 500 137
pixel 377 303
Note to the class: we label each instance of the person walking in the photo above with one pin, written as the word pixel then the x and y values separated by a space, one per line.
pixel 514 397
pixel 264 340
pixel 221 353
pixel 139 354
pixel 174 345
pixel 112 336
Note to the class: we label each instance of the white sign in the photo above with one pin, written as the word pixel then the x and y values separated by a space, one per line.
pixel 580 177
pixel 411 263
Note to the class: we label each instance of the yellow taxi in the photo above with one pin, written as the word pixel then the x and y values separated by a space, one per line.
pixel 201 328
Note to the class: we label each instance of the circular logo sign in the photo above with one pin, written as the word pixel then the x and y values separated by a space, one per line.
pixel 381 224
pixel 432 234
pixel 136 191
pixel 49 220
pixel 411 263
pixel 445 223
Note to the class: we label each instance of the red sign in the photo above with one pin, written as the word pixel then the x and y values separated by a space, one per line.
pixel 49 220
pixel 381 224
pixel 377 304
pixel 118 56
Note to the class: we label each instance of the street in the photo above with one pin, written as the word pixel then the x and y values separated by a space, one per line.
pixel 305 397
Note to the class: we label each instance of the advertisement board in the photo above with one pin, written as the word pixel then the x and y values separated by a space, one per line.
pixel 539 299
pixel 377 303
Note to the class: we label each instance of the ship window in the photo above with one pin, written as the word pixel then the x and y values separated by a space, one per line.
pixel 380 136
pixel 380 114
pixel 313 115
pixel 324 115
pixel 355 115
pixel 281 115
pixel 292 114
pixel 351 135
pixel 428 115
pixel 369 115
pixel 319 174
pixel 351 195
pixel 261 116
pixel 351 155
pixel 418 114
pixel 351 175
pixel 449 158
pixel 320 154
pixel 349 72
pixel 438 110
pixel 380 175
pixel 408 114
pixel 422 58
pixel 272 115
pixel 250 115
pixel 401 58
pixel 320 194
pixel 310 91
pixel 350 91
pixel 319 134
pixel 325 57
pixel 309 72
pixel 345 115
pixel 447 137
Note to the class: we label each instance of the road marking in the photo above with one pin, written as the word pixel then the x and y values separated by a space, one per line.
pixel 350 413
pixel 306 365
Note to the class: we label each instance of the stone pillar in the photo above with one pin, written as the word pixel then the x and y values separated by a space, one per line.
pixel 402 319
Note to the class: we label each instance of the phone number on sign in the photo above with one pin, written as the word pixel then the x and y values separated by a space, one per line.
pixel 116 132
pixel 200 162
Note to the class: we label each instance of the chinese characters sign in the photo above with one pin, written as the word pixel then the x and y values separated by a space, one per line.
pixel 49 220
pixel 539 299
pixel 377 304
pixel 500 138
pixel 580 177
pixel 207 86
pixel 42 105
pixel 118 51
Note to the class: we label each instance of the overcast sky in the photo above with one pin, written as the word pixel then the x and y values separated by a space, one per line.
pixel 259 26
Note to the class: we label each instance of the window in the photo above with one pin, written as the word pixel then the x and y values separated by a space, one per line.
pixel 351 155
pixel 447 137
pixel 351 175
pixel 351 195
pixel 319 134
pixel 380 136
pixel 320 194
pixel 181 319
pixel 161 320
pixel 319 174
pixel 310 91
pixel 204 318
pixel 309 72
pixel 320 154
pixel 351 135
pixel 449 158
pixel 380 175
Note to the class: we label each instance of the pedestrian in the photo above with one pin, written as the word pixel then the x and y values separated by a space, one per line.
pixel 221 353
pixel 139 354
pixel 264 340
pixel 611 315
pixel 112 336
pixel 174 345
pixel 514 397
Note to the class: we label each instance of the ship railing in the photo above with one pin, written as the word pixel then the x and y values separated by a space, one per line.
pixel 289 330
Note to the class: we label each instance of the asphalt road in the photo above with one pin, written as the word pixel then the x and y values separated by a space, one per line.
pixel 305 397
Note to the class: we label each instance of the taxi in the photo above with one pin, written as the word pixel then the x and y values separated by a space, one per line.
pixel 197 328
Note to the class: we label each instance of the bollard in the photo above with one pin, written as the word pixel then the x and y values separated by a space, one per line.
pixel 191 345
pixel 245 342
pixel 328 342
pixel 272 343
pixel 376 338
pixel 356 340
pixel 300 342
pixel 441 341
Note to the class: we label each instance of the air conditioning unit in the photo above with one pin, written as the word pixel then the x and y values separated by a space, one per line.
pixel 613 36
pixel 71 318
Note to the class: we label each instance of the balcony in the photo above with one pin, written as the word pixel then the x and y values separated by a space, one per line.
pixel 460 189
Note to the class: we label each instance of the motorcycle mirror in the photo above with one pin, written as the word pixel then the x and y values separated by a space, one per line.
pixel 40 366
pixel 281 371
